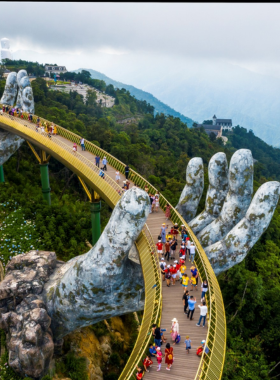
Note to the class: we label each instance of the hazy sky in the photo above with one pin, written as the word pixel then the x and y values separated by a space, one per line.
pixel 122 38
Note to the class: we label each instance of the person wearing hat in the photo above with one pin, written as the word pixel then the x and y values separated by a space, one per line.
pixel 159 248
pixel 162 233
pixel 159 358
pixel 200 349
pixel 104 162
pixel 174 329
pixel 162 267
pixel 124 185
pixel 173 270
pixel 178 274
pixel 194 272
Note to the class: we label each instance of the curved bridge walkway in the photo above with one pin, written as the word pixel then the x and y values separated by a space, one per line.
pixel 184 366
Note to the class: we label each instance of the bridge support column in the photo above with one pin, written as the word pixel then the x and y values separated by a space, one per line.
pixel 95 208
pixel 2 178
pixel 44 168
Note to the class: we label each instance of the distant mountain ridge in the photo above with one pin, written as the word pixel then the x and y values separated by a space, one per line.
pixel 159 106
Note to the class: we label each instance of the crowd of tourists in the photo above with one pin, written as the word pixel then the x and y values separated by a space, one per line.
pixel 175 274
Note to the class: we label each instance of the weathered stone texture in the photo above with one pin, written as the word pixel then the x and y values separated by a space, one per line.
pixel 24 316
pixel 236 244
pixel 192 192
pixel 103 282
pixel 216 193
pixel 10 91
pixel 237 201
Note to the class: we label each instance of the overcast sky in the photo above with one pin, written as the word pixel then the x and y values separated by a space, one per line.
pixel 116 37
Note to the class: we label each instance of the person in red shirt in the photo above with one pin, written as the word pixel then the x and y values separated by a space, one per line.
pixel 140 373
pixel 147 363
pixel 173 270
pixel 178 266
pixel 159 248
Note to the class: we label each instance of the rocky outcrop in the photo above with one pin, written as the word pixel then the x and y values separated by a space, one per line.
pixel 24 316
pixel 9 144
pixel 192 192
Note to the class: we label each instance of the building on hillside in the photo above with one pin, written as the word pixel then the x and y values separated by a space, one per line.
pixel 209 128
pixel 55 69
pixel 224 123
pixel 5 49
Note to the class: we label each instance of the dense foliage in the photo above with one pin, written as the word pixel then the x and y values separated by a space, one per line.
pixel 159 148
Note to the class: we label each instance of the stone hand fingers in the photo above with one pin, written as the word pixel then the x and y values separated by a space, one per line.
pixel 233 248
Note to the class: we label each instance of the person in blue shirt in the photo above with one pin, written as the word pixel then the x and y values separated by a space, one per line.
pixel 97 160
pixel 191 304
pixel 152 350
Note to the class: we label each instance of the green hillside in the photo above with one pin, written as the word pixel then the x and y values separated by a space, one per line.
pixel 159 106
pixel 158 147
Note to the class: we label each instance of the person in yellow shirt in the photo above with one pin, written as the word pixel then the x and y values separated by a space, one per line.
pixel 185 282
pixel 182 270
pixel 193 282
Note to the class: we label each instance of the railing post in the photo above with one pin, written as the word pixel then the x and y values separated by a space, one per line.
pixel 95 208
pixel 2 178
pixel 44 168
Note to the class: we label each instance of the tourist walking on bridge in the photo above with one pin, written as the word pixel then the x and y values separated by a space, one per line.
pixel 126 171
pixel 192 302
pixel 83 144
pixel 167 211
pixel 174 329
pixel 203 313
pixel 162 233
pixel 97 160
pixel 104 162
pixel 169 356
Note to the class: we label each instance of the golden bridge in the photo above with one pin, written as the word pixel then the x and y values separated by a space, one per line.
pixel 161 303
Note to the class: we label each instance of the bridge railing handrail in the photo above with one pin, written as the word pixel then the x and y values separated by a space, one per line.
pixel 211 363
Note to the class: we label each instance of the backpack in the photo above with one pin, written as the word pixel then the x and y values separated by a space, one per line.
pixel 162 266
pixel 168 275
pixel 170 356
pixel 178 339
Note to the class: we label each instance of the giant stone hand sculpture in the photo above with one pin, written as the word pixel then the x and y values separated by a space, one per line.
pixel 18 83
pixel 229 226
pixel 42 299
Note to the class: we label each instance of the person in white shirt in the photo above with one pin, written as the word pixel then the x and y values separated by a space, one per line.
pixel 118 176
pixel 192 252
pixel 203 313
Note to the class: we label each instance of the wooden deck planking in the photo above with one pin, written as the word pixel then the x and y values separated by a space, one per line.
pixel 185 365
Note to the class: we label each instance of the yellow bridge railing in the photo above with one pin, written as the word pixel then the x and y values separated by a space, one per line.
pixel 211 364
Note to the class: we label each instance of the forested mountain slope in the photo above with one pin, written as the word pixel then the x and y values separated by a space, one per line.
pixel 159 106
